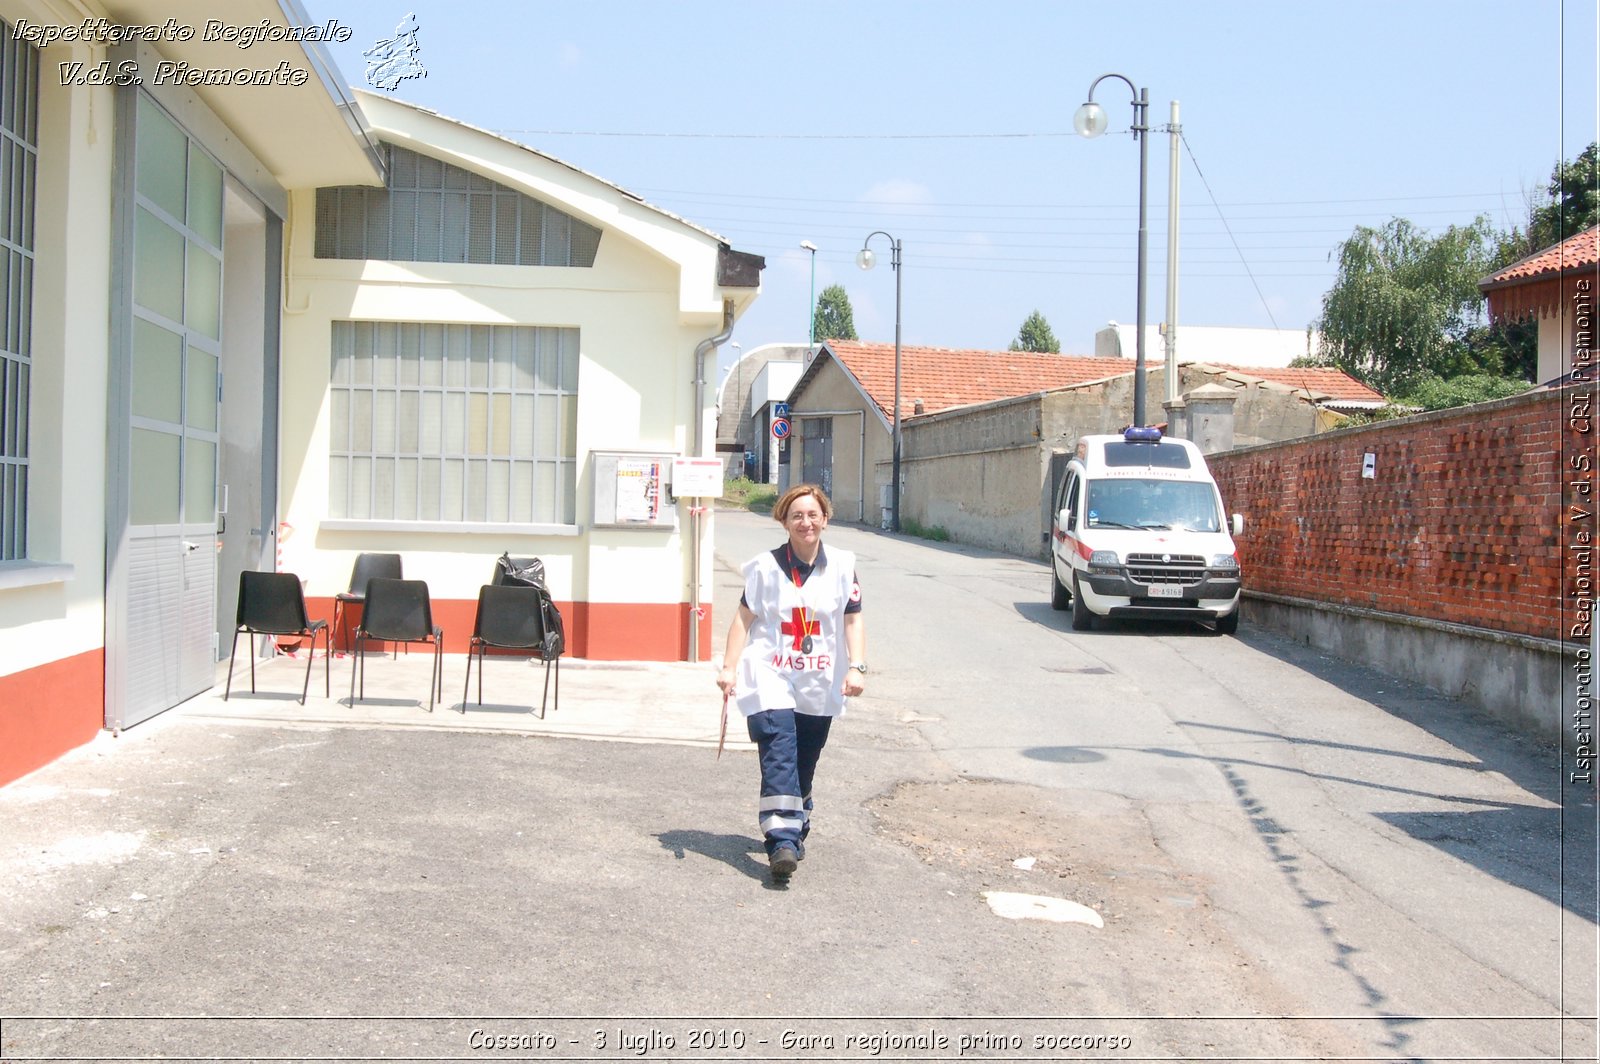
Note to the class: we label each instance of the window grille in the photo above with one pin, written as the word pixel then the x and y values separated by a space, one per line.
pixel 453 423
pixel 432 211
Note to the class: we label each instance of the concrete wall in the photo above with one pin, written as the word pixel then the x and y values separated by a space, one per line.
pixel 977 474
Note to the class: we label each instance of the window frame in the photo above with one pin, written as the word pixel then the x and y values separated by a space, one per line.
pixel 386 476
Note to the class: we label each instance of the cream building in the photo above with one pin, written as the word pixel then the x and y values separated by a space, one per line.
pixel 251 326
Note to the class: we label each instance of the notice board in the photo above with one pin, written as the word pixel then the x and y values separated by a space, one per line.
pixel 632 489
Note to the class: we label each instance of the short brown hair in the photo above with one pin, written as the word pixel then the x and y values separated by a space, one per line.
pixel 780 511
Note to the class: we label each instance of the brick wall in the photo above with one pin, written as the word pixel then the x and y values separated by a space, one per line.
pixel 1463 522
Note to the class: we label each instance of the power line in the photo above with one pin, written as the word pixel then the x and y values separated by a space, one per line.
pixel 1225 225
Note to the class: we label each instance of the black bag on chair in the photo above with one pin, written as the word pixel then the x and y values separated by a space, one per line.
pixel 529 572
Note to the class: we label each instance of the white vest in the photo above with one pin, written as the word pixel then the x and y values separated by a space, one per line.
pixel 775 672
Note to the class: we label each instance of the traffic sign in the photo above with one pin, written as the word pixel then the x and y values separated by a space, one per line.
pixel 780 410
pixel 780 428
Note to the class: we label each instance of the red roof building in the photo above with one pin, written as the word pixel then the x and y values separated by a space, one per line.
pixel 937 378
pixel 1557 286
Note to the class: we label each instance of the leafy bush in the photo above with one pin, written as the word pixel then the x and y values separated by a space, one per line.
pixel 1433 393
pixel 757 498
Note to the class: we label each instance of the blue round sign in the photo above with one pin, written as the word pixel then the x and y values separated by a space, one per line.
pixel 780 428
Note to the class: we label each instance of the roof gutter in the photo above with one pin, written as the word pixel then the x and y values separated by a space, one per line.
pixel 701 350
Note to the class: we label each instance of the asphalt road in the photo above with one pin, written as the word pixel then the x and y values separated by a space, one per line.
pixel 1287 858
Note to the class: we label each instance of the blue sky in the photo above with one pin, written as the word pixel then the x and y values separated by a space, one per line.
pixel 949 125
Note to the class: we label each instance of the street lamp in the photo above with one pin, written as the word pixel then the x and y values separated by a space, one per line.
pixel 866 259
pixel 811 318
pixel 1090 121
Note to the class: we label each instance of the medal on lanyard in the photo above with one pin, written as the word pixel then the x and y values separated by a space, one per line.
pixel 805 611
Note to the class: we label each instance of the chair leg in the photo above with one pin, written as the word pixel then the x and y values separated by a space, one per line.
pixel 558 684
pixel 433 676
pixel 231 655
pixel 311 653
pixel 252 663
pixel 545 700
pixel 327 660
pixel 468 685
pixel 355 663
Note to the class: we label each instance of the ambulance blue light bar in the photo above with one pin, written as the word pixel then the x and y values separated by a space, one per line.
pixel 1141 434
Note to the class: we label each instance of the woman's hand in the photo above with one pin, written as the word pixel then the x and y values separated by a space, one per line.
pixel 854 683
pixel 725 680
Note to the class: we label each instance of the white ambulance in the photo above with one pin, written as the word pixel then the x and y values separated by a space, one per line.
pixel 1139 532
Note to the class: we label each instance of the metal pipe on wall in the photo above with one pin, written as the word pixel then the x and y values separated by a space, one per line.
pixel 702 349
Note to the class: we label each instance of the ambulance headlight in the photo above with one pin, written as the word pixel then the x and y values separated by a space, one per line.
pixel 1224 561
pixel 1104 561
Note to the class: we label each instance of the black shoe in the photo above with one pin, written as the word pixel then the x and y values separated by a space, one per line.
pixel 783 862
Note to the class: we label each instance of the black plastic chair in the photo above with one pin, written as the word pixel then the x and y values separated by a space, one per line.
pixel 398 611
pixel 274 604
pixel 510 618
pixel 368 566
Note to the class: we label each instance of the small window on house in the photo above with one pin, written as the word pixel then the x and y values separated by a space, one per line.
pixel 454 423
pixel 432 211
pixel 19 150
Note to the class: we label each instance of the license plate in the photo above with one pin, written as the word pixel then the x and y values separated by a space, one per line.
pixel 1166 591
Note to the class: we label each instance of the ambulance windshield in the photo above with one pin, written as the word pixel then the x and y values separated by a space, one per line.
pixel 1153 504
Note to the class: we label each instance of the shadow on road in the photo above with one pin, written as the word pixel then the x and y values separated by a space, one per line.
pixel 735 851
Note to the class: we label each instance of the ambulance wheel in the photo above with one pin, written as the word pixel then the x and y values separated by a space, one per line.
pixel 1060 597
pixel 1082 618
pixel 1230 624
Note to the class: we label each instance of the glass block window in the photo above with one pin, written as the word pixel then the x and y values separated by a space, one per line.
pixel 19 150
pixel 455 423
pixel 434 212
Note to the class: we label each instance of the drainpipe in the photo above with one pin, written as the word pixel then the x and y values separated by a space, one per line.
pixel 702 349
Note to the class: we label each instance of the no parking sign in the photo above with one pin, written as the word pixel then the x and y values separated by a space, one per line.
pixel 780 428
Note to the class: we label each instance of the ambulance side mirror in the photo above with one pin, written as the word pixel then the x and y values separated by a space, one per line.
pixel 1066 519
pixel 1238 524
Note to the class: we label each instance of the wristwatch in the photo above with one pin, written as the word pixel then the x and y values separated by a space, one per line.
pixel 859 666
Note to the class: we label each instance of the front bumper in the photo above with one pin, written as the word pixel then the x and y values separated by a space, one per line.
pixel 1115 595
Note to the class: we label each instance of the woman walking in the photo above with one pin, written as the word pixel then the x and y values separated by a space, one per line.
pixel 796 651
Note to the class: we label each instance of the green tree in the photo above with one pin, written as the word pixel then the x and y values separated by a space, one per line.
pixel 1573 204
pixel 1434 393
pixel 1404 303
pixel 1036 335
pixel 833 319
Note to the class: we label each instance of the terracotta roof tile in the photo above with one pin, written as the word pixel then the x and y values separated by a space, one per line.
pixel 1575 252
pixel 1323 381
pixel 945 377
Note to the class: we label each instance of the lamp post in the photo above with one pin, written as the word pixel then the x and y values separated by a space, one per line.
pixel 1090 121
pixel 811 307
pixel 866 259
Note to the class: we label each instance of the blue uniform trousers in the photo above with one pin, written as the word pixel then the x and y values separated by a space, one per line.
pixel 789 744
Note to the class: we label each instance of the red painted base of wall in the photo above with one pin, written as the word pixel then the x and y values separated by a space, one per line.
pixel 602 631
pixel 46 711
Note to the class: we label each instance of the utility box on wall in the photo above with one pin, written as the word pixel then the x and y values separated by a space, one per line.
pixel 631 490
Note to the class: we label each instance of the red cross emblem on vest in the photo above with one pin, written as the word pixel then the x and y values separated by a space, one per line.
pixel 800 627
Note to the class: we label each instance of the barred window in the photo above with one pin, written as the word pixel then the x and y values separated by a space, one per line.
pixel 19 149
pixel 432 211
pixel 455 423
